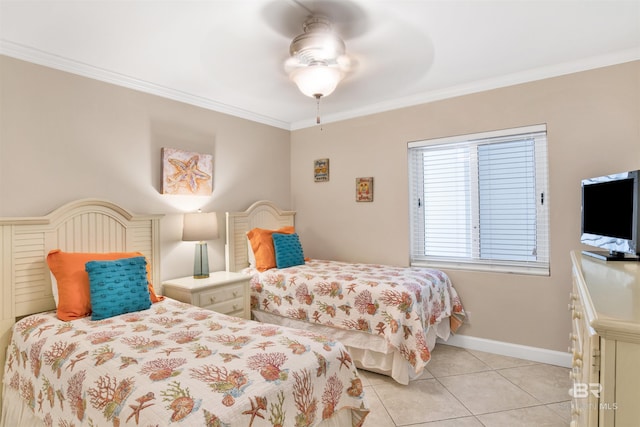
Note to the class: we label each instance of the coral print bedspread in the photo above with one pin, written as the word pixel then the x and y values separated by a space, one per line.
pixel 397 303
pixel 176 364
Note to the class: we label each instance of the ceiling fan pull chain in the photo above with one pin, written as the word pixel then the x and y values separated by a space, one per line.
pixel 318 109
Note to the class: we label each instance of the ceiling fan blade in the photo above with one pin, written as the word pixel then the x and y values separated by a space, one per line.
pixel 285 17
pixel 348 18
pixel 291 64
pixel 345 62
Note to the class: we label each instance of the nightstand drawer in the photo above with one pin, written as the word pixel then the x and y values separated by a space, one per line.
pixel 234 307
pixel 218 296
pixel 223 291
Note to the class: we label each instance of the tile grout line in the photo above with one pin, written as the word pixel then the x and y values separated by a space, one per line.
pixel 373 386
pixel 489 368
pixel 542 403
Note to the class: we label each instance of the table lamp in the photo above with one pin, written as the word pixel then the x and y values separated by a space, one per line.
pixel 199 227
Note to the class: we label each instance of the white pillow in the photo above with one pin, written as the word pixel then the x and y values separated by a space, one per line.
pixel 54 288
pixel 250 255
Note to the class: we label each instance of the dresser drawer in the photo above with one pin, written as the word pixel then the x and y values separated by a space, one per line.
pixel 584 349
pixel 232 307
pixel 222 294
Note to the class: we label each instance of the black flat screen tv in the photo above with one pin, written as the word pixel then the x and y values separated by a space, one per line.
pixel 610 216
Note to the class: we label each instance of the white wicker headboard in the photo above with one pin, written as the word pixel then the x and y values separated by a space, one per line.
pixel 261 214
pixel 89 225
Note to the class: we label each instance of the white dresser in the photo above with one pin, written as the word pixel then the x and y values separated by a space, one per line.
pixel 605 342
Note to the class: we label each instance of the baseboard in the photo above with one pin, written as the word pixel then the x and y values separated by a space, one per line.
pixel 534 354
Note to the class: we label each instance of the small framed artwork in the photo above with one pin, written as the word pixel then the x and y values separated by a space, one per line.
pixel 364 189
pixel 321 170
pixel 185 172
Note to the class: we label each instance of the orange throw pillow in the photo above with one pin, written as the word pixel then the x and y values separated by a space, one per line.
pixel 262 245
pixel 74 297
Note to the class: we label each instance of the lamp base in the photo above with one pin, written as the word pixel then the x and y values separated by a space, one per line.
pixel 201 261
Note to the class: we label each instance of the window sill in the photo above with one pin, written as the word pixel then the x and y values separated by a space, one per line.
pixel 490 268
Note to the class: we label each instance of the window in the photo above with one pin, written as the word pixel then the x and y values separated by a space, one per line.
pixel 480 201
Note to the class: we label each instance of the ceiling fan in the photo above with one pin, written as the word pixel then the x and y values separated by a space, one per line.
pixel 318 58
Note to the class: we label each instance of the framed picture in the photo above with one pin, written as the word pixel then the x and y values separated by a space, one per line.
pixel 186 172
pixel 364 189
pixel 321 170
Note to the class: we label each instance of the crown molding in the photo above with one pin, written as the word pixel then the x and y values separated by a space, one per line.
pixel 482 86
pixel 46 59
pixel 39 57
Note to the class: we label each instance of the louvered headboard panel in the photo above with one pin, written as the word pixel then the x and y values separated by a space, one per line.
pixel 88 225
pixel 262 214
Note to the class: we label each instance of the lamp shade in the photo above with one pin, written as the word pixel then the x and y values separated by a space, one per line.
pixel 200 226
pixel 316 80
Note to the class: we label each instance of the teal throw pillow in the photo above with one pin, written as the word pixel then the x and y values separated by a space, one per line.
pixel 288 250
pixel 117 287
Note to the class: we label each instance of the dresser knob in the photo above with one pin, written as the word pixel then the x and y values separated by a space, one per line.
pixel 212 299
pixel 235 307
pixel 575 410
pixel 235 294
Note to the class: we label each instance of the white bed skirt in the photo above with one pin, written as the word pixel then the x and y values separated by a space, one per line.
pixel 369 352
pixel 15 412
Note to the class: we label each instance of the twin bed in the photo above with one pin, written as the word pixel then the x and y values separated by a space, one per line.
pixel 164 363
pixel 388 317
pixel 168 362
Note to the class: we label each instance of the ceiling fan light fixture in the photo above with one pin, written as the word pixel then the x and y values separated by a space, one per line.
pixel 317 60
pixel 316 80
pixel 318 42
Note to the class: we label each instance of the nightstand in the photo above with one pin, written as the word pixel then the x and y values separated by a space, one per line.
pixel 223 291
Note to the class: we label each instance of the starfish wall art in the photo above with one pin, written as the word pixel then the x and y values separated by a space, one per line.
pixel 185 172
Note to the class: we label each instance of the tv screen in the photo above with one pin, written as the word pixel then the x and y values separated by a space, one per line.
pixel 610 214
pixel 609 208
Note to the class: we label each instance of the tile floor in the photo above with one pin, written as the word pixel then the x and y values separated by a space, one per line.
pixel 467 388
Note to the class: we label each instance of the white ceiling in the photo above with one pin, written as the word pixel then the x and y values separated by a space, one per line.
pixel 228 55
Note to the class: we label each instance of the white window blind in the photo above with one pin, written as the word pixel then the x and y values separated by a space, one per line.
pixel 480 201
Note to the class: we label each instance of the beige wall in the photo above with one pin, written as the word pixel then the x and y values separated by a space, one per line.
pixel 593 125
pixel 65 137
